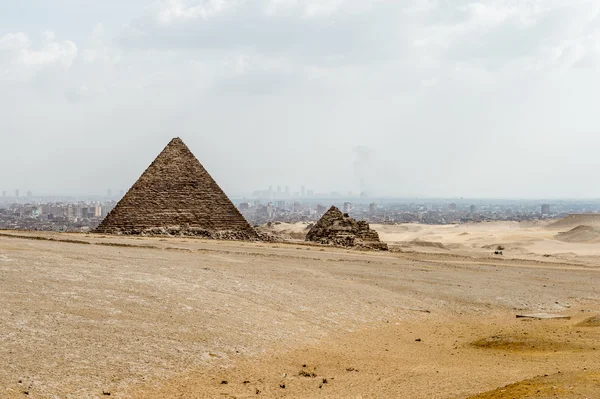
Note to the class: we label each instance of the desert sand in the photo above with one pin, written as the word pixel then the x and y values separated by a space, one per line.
pixel 88 316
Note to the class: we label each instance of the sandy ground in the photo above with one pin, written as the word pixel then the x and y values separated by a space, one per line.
pixel 184 318
pixel 527 240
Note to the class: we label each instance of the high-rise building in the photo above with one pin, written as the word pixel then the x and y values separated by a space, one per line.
pixel 287 191
pixel 303 191
pixel 17 193
pixel 545 209
pixel 372 207
pixel 347 207
pixel 29 194
pixel 108 193
pixel 472 209
pixel 4 193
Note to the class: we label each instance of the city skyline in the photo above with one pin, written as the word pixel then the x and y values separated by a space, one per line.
pixel 117 194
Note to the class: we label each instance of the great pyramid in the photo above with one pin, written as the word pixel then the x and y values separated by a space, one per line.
pixel 337 228
pixel 177 196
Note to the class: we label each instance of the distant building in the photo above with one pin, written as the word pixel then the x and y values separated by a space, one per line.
pixel 287 191
pixel 472 209
pixel 347 207
pixel 244 206
pixel 17 193
pixel 109 193
pixel 29 194
pixel 372 207
pixel 303 191
pixel 545 209
pixel 4 193
pixel 297 207
pixel 280 204
pixel 321 209
pixel 310 193
pixel 452 206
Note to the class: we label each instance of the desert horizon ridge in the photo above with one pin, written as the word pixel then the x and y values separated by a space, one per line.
pixel 433 317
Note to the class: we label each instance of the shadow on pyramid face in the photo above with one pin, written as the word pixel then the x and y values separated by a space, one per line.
pixel 177 196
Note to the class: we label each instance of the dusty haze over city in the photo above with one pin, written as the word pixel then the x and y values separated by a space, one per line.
pixel 492 98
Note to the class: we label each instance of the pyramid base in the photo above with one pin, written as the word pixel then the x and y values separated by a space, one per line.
pixel 349 241
pixel 176 231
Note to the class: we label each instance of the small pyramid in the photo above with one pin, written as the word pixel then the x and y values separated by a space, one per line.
pixel 176 195
pixel 337 228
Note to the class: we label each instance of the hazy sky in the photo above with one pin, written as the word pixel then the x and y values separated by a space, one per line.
pixel 495 98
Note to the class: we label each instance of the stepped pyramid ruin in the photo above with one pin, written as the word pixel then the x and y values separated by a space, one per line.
pixel 337 228
pixel 177 196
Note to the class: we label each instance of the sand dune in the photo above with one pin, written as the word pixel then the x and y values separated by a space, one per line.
pixel 527 240
pixel 580 234
pixel 580 219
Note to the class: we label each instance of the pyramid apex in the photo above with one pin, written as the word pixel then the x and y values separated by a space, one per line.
pixel 176 140
pixel 334 210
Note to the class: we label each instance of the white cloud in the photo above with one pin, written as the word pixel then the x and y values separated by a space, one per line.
pixel 426 79
pixel 21 60
pixel 307 8
pixel 172 11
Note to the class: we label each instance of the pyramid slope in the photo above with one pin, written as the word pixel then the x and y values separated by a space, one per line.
pixel 327 221
pixel 177 195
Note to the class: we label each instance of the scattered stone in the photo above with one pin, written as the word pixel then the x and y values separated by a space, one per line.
pixel 304 373
pixel 224 382
pixel 339 229
pixel 282 386
pixel 418 340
